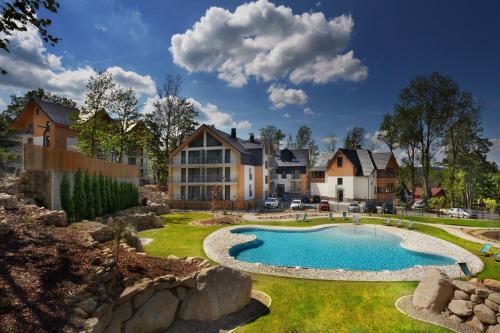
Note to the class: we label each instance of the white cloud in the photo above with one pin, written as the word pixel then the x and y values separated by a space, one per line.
pixel 31 66
pixel 209 114
pixel 280 96
pixel 286 115
pixel 309 112
pixel 268 42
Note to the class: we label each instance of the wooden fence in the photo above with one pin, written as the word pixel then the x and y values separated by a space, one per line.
pixel 46 158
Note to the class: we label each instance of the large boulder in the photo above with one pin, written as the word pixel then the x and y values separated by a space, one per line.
pixel 219 291
pixel 8 201
pixel 461 307
pixel 434 291
pixel 52 218
pixel 140 222
pixel 465 286
pixel 485 314
pixel 493 284
pixel 155 315
pixel 99 232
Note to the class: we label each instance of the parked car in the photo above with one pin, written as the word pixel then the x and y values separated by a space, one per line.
pixel 370 207
pixel 418 205
pixel 306 199
pixel 324 205
pixel 388 207
pixel 296 204
pixel 353 207
pixel 272 203
pixel 316 199
pixel 460 212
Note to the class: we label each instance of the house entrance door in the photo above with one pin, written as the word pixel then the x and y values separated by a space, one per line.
pixel 340 195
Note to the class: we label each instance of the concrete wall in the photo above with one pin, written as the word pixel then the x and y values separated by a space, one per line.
pixel 248 183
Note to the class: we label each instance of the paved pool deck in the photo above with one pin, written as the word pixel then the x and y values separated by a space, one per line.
pixel 218 243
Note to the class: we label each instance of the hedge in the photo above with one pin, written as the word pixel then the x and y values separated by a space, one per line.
pixel 95 196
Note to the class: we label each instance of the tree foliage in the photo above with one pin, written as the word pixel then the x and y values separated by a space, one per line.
pixel 330 142
pixel 79 198
pixel 271 137
pixel 355 138
pixel 303 137
pixel 66 199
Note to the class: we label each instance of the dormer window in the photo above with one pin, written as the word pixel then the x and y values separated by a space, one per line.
pixel 29 130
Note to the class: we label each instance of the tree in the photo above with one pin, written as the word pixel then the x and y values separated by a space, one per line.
pixel 491 204
pixel 102 194
pixel 92 123
pixel 171 122
pixel 271 137
pixel 355 138
pixel 79 198
pixel 89 196
pixel 96 189
pixel 330 142
pixel 303 137
pixel 313 150
pixel 388 132
pixel 18 15
pixel 125 112
pixel 430 102
pixel 289 142
pixel 66 200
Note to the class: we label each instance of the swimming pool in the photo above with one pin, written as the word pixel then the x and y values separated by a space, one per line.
pixel 341 247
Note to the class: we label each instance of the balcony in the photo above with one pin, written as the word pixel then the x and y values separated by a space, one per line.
pixel 202 179
pixel 179 161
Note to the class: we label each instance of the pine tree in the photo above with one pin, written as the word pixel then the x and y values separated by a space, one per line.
pixel 102 193
pixel 97 195
pixel 89 195
pixel 79 199
pixel 66 200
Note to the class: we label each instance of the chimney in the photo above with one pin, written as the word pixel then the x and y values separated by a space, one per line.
pixel 252 138
pixel 233 133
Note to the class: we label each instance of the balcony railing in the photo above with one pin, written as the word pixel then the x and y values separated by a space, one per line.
pixel 203 179
pixel 176 161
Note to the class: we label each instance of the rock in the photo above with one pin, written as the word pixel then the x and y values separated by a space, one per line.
pixel 468 287
pixel 4 228
pixel 8 201
pixel 172 257
pixel 476 299
pixel 483 293
pixel 127 294
pixel 102 234
pixel 122 312
pixel 456 319
pixel 89 305
pixel 114 327
pixel 219 291
pixel 492 305
pixel 476 323
pixel 459 294
pixel 485 314
pixel 180 292
pixel 188 282
pixel 494 297
pixel 134 241
pixel 80 313
pixel 434 291
pixel 494 284
pixel 52 218
pixel 155 315
pixel 461 308
pixel 143 296
pixel 493 329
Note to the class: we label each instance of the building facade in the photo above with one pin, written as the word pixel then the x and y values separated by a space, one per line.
pixel 355 175
pixel 212 163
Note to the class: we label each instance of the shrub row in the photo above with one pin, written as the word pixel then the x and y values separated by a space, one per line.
pixel 95 195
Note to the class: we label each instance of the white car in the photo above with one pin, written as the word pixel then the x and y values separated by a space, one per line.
pixel 272 203
pixel 296 204
pixel 459 212
pixel 418 205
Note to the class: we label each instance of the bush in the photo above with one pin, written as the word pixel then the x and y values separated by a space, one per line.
pixel 66 199
pixel 436 202
pixel 89 195
pixel 79 198
pixel 491 204
pixel 102 194
pixel 97 196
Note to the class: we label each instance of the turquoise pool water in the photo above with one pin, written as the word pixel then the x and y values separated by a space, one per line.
pixel 343 247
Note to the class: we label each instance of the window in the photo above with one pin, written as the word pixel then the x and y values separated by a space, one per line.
pixel 250 190
pixel 183 192
pixel 212 142
pixel 183 175
pixel 183 157
pixel 267 179
pixel 214 156
pixel 250 174
pixel 227 156
pixel 47 141
pixel 29 130
pixel 30 141
pixel 339 162
pixel 227 192
pixel 227 174
pixel 198 142
pixel 296 174
pixel 340 181
pixel 194 157
pixel 265 164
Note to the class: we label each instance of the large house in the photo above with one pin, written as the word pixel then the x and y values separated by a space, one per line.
pixel 215 163
pixel 289 172
pixel 355 174
pixel 43 123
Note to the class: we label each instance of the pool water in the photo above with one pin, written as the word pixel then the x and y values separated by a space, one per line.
pixel 343 247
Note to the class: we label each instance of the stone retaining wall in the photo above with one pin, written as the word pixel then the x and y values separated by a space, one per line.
pixel 473 303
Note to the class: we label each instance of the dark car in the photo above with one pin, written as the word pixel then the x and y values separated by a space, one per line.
pixel 306 199
pixel 388 207
pixel 324 205
pixel 316 199
pixel 371 207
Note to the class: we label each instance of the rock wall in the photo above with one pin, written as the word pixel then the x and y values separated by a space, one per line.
pixel 473 303
pixel 36 185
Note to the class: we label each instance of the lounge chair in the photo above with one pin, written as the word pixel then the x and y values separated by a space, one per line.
pixel 399 223
pixel 305 217
pixel 486 250
pixel 465 269
pixel 410 225
pixel 356 219
pixel 387 222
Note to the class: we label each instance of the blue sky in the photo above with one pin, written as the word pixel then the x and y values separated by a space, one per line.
pixel 347 60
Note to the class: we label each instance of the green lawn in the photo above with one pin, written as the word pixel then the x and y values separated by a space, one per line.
pixel 451 221
pixel 309 305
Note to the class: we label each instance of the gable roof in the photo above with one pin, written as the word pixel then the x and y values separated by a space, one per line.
pixel 381 159
pixel 59 114
pixel 301 158
pixel 366 161
pixel 322 161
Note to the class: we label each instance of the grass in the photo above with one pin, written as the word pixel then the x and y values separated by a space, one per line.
pixel 309 305
pixel 450 221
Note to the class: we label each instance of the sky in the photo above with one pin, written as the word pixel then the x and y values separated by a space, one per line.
pixel 330 65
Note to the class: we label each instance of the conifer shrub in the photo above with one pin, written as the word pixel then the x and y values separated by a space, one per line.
pixel 79 198
pixel 66 199
pixel 89 195
pixel 97 195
